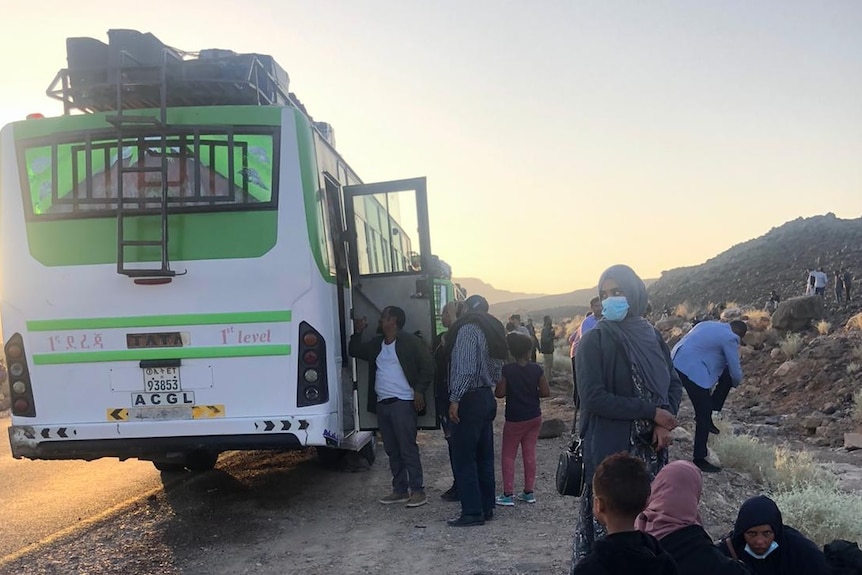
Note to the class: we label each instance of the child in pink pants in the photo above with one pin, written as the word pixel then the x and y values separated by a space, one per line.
pixel 522 384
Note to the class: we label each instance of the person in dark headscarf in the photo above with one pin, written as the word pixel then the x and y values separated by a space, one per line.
pixel 672 517
pixel 629 391
pixel 762 541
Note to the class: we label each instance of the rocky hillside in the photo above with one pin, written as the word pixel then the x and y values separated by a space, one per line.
pixel 778 260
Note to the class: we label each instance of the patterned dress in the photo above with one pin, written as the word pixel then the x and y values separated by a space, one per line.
pixel 587 529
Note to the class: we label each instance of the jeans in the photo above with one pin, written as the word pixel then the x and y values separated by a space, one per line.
pixel 472 444
pixel 397 423
pixel 524 434
pixel 701 399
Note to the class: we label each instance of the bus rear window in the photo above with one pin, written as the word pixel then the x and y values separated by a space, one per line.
pixel 205 169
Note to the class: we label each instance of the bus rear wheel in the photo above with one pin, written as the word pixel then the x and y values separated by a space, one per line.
pixel 201 460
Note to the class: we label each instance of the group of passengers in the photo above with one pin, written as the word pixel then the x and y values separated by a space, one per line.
pixel 637 512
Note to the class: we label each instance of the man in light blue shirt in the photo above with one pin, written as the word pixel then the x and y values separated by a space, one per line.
pixel 709 352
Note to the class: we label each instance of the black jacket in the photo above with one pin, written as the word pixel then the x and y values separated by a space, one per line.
pixel 795 555
pixel 414 357
pixel 694 553
pixel 607 395
pixel 627 553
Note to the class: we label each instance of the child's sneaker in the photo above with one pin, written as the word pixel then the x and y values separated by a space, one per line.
pixel 527 497
pixel 506 500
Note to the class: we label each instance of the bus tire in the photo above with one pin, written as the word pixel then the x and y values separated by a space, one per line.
pixel 330 457
pixel 166 467
pixel 201 460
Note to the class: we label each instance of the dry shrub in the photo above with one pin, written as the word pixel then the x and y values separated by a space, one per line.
pixel 823 327
pixel 755 339
pixel 809 496
pixel 745 453
pixel 791 345
pixel 758 319
pixel 852 368
pixel 822 514
pixel 856 352
pixel 855 322
pixel 684 310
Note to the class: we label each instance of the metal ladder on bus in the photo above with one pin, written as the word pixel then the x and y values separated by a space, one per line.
pixel 128 126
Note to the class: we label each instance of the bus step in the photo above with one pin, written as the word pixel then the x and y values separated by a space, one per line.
pixel 147 273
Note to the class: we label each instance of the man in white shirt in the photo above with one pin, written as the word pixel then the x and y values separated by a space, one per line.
pixel 820 281
pixel 400 369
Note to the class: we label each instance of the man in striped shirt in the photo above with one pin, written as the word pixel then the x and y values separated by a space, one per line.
pixel 478 349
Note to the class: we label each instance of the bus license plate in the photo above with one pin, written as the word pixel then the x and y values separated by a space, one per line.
pixel 160 379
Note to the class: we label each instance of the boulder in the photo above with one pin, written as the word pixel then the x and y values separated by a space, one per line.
pixel 680 433
pixel 797 313
pixel 784 368
pixel 552 428
pixel 775 353
pixel 731 313
pixel 668 323
pixel 852 441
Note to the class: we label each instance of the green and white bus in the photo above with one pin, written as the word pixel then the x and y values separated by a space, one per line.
pixel 182 253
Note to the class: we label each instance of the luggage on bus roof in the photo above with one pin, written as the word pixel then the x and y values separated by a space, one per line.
pixel 216 77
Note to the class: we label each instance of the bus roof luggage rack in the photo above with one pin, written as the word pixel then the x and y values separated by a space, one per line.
pixel 136 63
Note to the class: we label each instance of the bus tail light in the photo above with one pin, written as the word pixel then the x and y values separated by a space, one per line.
pixel 311 384
pixel 20 390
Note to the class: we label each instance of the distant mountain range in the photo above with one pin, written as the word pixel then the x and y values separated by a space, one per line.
pixel 489 292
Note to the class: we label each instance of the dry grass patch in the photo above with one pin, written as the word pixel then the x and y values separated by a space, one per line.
pixel 823 515
pixel 791 345
pixel 823 327
pixel 808 495
pixel 683 310
pixel 855 322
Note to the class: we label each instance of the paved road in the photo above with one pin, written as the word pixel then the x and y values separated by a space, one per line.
pixel 41 498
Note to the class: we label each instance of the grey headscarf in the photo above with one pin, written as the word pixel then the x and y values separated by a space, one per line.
pixel 637 334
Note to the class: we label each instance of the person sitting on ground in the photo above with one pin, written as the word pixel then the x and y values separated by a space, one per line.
pixel 772 303
pixel 522 384
pixel 671 516
pixel 762 541
pixel 621 487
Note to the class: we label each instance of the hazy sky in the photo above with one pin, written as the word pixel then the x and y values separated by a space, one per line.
pixel 558 137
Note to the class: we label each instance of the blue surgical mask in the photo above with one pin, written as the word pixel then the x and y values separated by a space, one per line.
pixel 615 308
pixel 772 548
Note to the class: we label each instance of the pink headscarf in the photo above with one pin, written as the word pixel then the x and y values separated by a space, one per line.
pixel 673 501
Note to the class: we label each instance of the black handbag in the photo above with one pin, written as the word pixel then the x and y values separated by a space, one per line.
pixel 570 469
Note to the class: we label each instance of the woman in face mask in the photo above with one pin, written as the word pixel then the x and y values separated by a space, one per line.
pixel 629 391
pixel 762 541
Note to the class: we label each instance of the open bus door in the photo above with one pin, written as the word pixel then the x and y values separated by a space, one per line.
pixel 390 264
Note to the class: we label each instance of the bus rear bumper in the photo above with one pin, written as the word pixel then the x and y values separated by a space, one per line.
pixel 134 439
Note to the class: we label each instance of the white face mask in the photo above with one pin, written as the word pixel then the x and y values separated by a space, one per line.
pixel 772 548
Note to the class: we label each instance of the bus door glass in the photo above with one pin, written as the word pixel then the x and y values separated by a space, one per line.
pixel 390 264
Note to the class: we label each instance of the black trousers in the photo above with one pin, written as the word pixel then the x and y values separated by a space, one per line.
pixel 722 388
pixel 701 399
